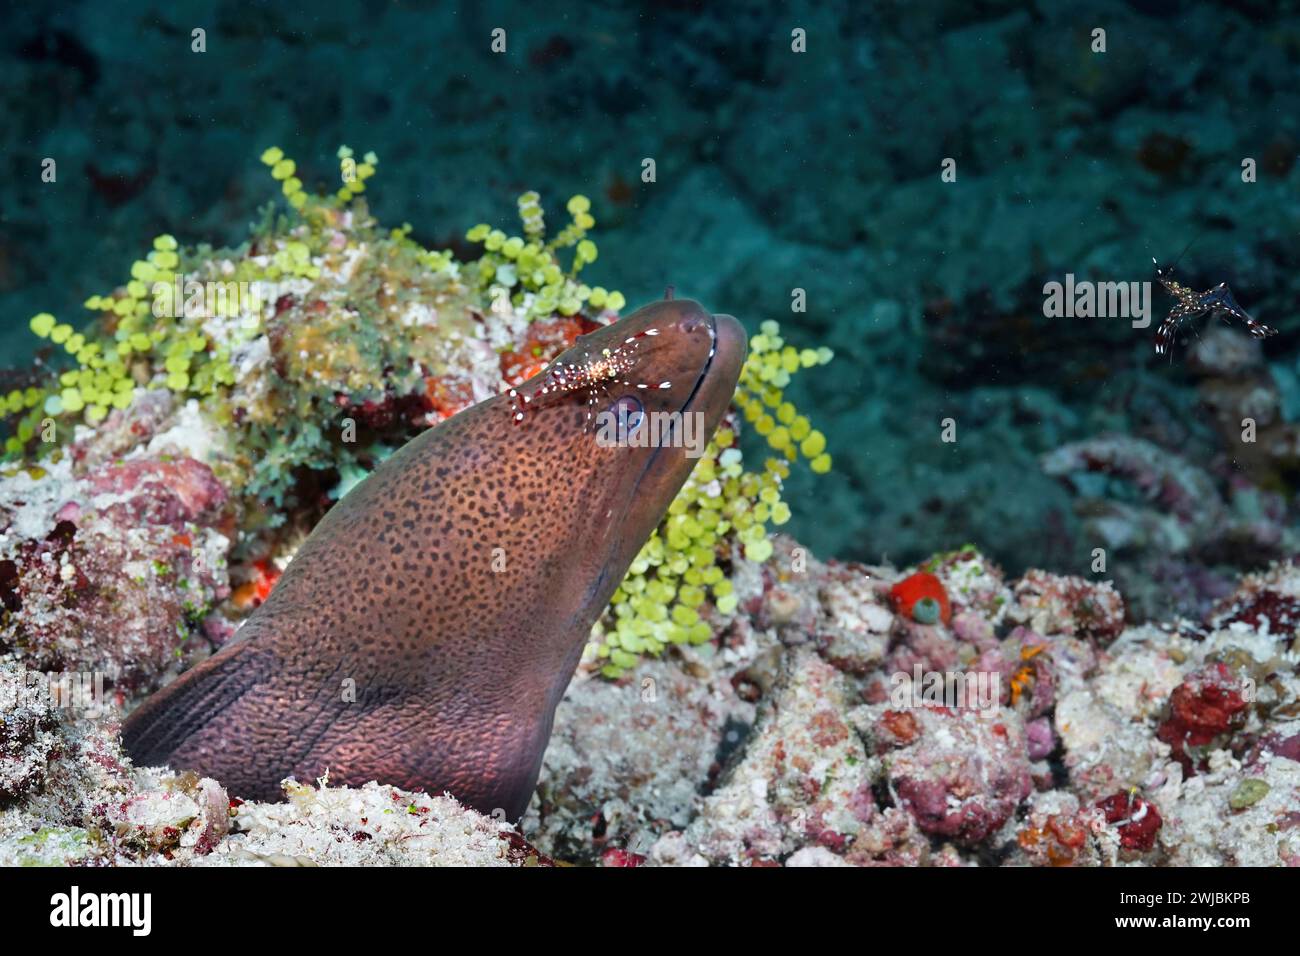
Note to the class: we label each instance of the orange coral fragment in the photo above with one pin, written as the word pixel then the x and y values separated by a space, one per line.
pixel 252 593
pixel 448 396
pixel 545 340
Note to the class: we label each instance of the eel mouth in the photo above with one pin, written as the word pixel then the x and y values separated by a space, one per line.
pixel 666 468
pixel 725 358
pixel 729 346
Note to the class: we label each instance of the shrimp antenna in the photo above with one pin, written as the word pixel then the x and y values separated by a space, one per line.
pixel 1170 268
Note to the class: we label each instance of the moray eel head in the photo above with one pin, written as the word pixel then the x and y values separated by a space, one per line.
pixel 628 410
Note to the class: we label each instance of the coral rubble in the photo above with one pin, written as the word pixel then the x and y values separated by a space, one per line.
pixel 1100 743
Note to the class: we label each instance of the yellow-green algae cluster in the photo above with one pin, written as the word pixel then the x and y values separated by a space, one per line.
pixel 527 268
pixel 678 571
pixel 338 345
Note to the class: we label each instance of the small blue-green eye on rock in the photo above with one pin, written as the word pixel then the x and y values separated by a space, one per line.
pixel 926 611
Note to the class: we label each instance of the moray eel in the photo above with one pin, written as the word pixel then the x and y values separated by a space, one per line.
pixel 428 626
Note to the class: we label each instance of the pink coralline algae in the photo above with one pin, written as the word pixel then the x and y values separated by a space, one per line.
pixel 961 775
pixel 1136 820
pixel 149 491
pixel 1056 604
pixel 1269 600
pixel 621 858
pixel 110 572
pixel 1207 707
pixel 1040 739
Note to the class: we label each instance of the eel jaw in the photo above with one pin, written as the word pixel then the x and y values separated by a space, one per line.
pixel 667 469
pixel 644 497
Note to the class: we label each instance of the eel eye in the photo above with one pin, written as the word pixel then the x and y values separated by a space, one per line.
pixel 629 414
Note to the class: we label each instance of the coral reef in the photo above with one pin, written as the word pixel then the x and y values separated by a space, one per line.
pixel 113 569
pixel 741 702
pixel 1174 533
pixel 843 760
pixel 806 732
pixel 92 809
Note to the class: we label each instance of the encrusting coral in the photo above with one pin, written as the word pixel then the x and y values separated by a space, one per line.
pixel 811 741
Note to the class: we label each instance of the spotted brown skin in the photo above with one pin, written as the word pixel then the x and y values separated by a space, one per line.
pixel 456 586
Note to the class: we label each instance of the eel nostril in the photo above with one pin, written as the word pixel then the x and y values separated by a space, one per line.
pixel 693 323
